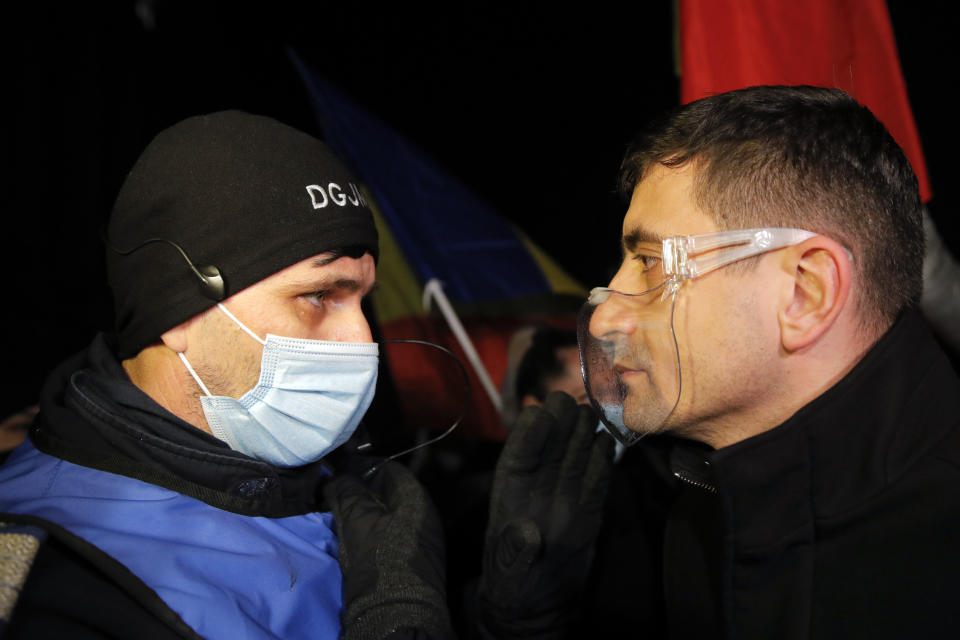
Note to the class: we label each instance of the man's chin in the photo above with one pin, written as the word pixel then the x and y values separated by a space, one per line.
pixel 645 422
pixel 645 417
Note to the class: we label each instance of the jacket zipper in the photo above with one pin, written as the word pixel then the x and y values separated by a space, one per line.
pixel 683 476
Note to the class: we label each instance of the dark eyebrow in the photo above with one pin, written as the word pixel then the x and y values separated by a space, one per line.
pixel 328 283
pixel 636 236
pixel 327 280
pixel 325 259
pixel 344 284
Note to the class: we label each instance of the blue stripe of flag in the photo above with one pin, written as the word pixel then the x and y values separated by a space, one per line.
pixel 445 231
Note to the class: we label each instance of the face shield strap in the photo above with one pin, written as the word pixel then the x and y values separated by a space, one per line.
pixel 465 405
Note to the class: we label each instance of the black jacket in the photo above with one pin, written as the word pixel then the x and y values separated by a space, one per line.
pixel 843 522
pixel 92 415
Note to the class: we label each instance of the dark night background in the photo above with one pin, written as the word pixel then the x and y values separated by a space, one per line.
pixel 530 105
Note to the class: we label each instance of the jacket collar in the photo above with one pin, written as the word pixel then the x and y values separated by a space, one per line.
pixel 843 447
pixel 91 414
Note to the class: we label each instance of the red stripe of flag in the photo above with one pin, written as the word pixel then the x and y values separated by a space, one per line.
pixel 846 44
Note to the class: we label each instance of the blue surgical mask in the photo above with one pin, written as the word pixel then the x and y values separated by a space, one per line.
pixel 309 400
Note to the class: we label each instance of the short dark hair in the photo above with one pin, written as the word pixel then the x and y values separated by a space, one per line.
pixel 805 157
pixel 540 364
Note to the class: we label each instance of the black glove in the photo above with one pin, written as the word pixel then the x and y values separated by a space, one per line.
pixel 391 554
pixel 545 512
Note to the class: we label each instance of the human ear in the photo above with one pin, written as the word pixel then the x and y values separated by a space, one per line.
pixel 821 280
pixel 176 339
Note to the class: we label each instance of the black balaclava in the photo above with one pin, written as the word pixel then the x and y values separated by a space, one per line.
pixel 240 192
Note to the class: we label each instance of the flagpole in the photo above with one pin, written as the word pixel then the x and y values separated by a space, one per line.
pixel 434 289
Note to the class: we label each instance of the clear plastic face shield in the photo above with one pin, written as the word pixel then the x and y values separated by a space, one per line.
pixel 629 352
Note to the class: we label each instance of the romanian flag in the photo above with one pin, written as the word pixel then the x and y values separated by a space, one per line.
pixel 844 44
pixel 440 245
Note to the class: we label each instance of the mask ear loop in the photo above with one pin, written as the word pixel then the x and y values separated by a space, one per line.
pixel 463 412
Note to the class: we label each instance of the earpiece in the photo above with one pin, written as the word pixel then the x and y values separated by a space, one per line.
pixel 211 280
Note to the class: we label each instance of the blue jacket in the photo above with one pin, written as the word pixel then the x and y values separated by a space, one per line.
pixel 234 547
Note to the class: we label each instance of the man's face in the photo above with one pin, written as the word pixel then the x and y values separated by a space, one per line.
pixel 570 381
pixel 720 322
pixel 318 298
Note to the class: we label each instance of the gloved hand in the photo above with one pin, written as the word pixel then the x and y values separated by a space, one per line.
pixel 391 554
pixel 545 511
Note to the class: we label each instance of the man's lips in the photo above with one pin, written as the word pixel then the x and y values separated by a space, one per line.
pixel 624 370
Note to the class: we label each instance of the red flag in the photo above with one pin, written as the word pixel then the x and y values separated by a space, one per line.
pixel 846 44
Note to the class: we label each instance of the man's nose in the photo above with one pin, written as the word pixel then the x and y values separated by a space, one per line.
pixel 612 317
pixel 349 324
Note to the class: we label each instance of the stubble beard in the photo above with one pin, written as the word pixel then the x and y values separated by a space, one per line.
pixel 650 397
pixel 237 369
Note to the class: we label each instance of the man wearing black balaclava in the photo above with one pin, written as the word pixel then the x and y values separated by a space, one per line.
pixel 172 482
